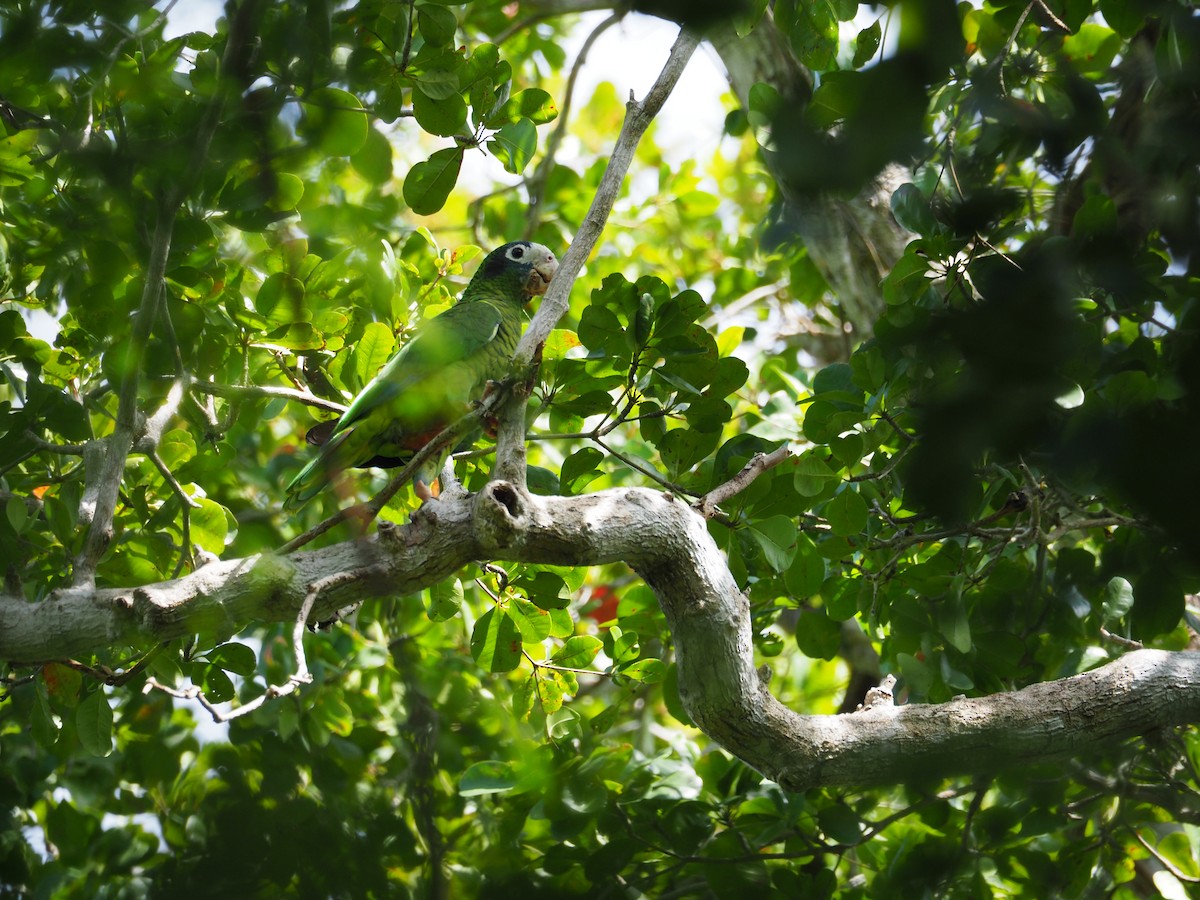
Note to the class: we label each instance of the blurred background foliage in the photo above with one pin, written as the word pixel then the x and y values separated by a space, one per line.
pixel 993 482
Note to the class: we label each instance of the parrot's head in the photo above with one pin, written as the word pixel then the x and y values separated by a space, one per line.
pixel 528 267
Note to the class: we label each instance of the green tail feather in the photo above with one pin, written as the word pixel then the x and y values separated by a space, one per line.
pixel 315 476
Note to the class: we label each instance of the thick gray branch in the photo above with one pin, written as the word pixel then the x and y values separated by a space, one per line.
pixel 667 543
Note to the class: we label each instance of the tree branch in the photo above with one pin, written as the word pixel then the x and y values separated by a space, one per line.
pixel 666 542
pixel 241 392
pixel 638 117
pixel 758 464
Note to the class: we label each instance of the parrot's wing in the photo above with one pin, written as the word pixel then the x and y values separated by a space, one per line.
pixel 453 338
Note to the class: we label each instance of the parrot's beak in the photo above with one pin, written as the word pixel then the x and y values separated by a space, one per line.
pixel 543 270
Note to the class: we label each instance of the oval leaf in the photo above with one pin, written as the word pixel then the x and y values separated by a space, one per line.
pixel 429 183
pixel 94 722
pixel 578 651
pixel 496 641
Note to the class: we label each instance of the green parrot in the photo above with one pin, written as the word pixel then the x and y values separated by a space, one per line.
pixel 430 383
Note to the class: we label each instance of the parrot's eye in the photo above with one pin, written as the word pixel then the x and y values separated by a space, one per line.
pixel 516 252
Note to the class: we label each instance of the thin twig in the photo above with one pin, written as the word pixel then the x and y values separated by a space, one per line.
pixel 759 463
pixel 537 184
pixel 510 446
pixel 638 117
pixel 1163 861
pixel 1125 642
pixel 545 665
pixel 113 677
pixel 646 470
pixel 185 549
pixel 48 447
pixel 300 676
pixel 240 392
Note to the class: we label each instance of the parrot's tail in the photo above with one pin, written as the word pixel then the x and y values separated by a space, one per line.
pixel 315 476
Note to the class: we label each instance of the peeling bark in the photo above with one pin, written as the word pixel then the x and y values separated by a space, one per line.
pixel 667 542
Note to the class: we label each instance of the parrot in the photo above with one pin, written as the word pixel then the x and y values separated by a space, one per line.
pixel 430 383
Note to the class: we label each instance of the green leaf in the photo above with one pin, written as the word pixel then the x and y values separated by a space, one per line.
pixel 837 97
pixel 280 299
pixel 906 280
pixel 217 686
pixel 1176 848
pixel 15 165
pixel 708 414
pixel 234 657
pixel 514 145
pixel 846 513
pixel 1092 49
pixel 532 621
pixel 765 103
pixel 373 161
pixel 646 671
pixel 17 513
pixel 1097 215
pixel 336 120
pixel 209 525
pixel 683 448
pixel 532 104
pixel 176 447
pixel 579 469
pixel 578 651
pixel 866 44
pixel 625 646
pixel 600 329
pixel 825 419
pixel 643 321
pixel 445 600
pixel 42 725
pixel 1158 603
pixel 912 210
pixel 445 117
pixel 817 635
pixel 496 641
pixel 840 823
pixel 777 538
pixel 954 626
pixel 552 690
pixel 492 776
pixel 916 674
pixel 542 481
pixel 333 713
pixel 437 24
pixel 94 723
pixel 429 183
pixel 374 349
pixel 805 575
pixel 547 590
pixel 439 72
pixel 560 342
pixel 523 698
pixel 812 475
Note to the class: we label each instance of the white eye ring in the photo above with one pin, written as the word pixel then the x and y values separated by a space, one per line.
pixel 516 253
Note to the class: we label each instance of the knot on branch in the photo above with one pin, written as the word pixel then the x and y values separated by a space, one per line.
pixel 501 515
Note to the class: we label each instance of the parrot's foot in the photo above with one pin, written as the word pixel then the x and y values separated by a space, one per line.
pixel 426 492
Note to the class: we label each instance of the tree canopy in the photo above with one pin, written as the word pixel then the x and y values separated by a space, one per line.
pixel 891 405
